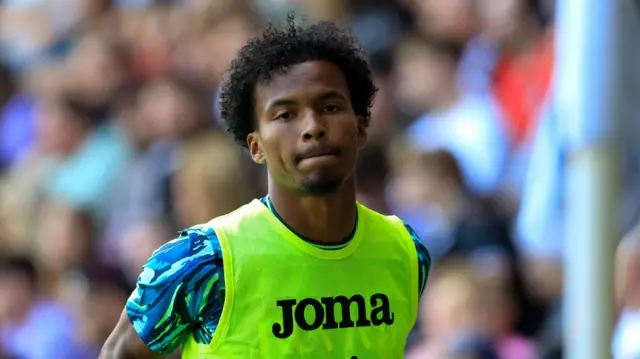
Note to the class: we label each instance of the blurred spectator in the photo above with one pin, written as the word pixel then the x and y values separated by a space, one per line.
pixel 429 192
pixel 448 311
pixel 109 145
pixel 522 75
pixel 372 171
pixel 97 70
pixel 102 299
pixel 164 109
pixel 70 162
pixel 501 308
pixel 138 243
pixel 89 155
pixel 466 125
pixel 210 46
pixel 454 20
pixel 64 242
pixel 152 47
pixel 18 117
pixel 32 327
pixel 483 235
pixel 386 118
pixel 26 30
pixel 210 180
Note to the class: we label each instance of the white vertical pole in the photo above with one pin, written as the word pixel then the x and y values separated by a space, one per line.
pixel 587 82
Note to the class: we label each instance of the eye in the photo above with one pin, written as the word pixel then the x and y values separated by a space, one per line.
pixel 284 116
pixel 331 108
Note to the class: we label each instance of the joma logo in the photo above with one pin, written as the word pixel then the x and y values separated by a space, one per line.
pixel 324 313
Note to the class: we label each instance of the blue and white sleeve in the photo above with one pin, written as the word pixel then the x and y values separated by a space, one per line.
pixel 181 283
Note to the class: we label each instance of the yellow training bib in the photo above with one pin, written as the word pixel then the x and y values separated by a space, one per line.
pixel 287 299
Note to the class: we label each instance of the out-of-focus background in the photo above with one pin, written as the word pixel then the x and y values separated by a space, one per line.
pixel 110 143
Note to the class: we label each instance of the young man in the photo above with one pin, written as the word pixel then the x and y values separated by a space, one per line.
pixel 305 272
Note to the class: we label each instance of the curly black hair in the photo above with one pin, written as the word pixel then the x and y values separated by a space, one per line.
pixel 276 50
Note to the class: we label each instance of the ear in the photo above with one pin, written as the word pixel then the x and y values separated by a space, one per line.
pixel 362 131
pixel 255 148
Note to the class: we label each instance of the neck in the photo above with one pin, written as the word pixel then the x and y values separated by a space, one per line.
pixel 326 219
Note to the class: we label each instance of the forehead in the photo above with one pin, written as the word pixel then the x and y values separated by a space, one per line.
pixel 302 81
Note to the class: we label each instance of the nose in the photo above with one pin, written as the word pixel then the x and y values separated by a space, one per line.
pixel 314 127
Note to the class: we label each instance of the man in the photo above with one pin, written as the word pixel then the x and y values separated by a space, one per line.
pixel 305 272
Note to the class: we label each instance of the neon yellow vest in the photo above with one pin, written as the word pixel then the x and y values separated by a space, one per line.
pixel 287 299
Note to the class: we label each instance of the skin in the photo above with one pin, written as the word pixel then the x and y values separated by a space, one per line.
pixel 305 112
pixel 309 137
pixel 125 343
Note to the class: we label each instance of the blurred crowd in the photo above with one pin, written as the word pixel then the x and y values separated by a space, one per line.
pixel 110 143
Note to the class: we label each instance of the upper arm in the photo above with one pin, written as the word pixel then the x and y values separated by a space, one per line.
pixel 180 284
pixel 424 259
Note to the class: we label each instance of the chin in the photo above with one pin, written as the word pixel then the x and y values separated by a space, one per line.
pixel 321 186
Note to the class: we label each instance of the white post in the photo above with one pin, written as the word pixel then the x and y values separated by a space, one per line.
pixel 587 82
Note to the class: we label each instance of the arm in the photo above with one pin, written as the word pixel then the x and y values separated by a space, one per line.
pixel 182 283
pixel 424 259
pixel 125 343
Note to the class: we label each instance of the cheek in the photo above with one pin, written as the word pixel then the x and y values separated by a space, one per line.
pixel 348 130
pixel 278 143
pixel 351 136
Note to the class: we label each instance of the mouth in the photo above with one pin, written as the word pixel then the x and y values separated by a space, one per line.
pixel 321 154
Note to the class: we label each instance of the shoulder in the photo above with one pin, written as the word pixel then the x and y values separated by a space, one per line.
pixel 181 283
pixel 193 248
pixel 242 215
pixel 402 226
pixel 194 241
pixel 177 266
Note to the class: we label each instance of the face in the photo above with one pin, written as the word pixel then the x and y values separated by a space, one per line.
pixel 223 43
pixel 15 295
pixel 57 129
pixel 422 73
pixel 455 20
pixel 445 310
pixel 163 111
pixel 94 70
pixel 500 19
pixel 308 133
pixel 63 239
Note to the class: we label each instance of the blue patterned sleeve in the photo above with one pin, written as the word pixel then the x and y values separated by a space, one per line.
pixel 180 292
pixel 424 259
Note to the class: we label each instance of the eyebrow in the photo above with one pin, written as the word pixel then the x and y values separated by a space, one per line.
pixel 332 94
pixel 280 102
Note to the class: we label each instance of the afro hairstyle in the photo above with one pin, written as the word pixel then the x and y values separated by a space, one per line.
pixel 275 51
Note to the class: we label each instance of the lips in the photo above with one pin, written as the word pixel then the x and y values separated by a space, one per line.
pixel 318 152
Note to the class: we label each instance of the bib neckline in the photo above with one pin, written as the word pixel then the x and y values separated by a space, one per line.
pixel 307 245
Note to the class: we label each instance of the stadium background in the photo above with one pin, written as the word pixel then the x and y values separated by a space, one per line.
pixel 109 143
